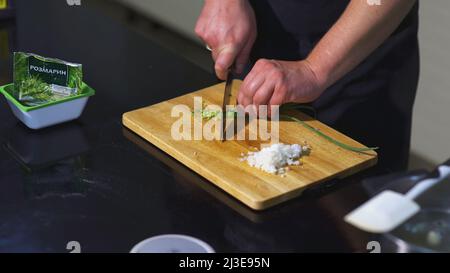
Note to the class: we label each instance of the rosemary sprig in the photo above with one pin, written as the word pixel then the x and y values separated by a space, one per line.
pixel 34 91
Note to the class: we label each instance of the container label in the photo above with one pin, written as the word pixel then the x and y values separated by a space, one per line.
pixel 49 72
pixel 39 80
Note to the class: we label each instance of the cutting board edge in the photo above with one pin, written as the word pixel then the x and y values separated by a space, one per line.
pixel 364 165
pixel 254 204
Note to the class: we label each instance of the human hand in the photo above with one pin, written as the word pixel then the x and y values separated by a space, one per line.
pixel 229 29
pixel 273 82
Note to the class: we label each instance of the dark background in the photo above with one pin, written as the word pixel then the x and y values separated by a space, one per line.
pixel 95 182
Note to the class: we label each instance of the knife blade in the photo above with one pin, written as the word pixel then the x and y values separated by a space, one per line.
pixel 226 101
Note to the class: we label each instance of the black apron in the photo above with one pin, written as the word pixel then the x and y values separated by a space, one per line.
pixel 373 103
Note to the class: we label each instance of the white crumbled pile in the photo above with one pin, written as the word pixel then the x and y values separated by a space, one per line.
pixel 275 159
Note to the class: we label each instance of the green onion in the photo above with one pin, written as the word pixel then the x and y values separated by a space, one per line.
pixel 332 140
pixel 210 114
pixel 207 114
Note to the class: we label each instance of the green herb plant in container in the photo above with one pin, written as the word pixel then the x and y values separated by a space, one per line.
pixel 46 91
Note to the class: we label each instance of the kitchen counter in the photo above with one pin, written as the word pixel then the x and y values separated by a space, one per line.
pixel 95 182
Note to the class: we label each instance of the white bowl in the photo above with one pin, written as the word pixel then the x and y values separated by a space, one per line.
pixel 172 243
pixel 42 116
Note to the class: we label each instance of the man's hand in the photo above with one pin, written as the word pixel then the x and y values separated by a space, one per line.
pixel 274 82
pixel 229 29
pixel 357 33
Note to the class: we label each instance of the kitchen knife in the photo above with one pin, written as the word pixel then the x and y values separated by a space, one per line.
pixel 226 101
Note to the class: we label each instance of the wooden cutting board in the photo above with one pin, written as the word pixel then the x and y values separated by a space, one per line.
pixel 219 161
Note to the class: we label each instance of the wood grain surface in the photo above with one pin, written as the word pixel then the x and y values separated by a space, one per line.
pixel 219 161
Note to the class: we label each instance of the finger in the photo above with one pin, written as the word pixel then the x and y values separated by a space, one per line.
pixel 256 71
pixel 247 96
pixel 264 93
pixel 200 28
pixel 224 60
pixel 214 53
pixel 251 84
pixel 278 97
pixel 206 34
pixel 243 57
pixel 249 87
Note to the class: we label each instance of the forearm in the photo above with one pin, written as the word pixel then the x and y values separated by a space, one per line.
pixel 359 31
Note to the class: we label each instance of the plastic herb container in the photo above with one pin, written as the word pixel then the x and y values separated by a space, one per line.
pixel 51 113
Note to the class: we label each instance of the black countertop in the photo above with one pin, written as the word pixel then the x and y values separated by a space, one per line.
pixel 95 182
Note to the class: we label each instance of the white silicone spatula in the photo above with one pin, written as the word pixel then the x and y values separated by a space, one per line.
pixel 389 209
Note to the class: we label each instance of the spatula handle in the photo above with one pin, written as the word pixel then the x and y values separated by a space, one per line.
pixel 442 173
